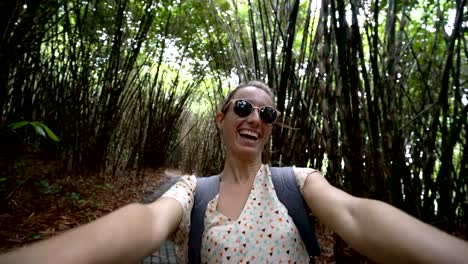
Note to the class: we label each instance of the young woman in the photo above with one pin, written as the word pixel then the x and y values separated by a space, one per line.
pixel 246 196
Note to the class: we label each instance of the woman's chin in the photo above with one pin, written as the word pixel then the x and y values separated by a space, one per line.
pixel 248 152
pixel 246 149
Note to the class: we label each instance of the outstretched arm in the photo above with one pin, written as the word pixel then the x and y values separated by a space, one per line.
pixel 124 236
pixel 379 230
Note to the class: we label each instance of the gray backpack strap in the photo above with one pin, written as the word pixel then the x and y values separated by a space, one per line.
pixel 289 194
pixel 206 190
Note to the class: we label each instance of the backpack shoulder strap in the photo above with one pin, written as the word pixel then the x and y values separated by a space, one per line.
pixel 289 194
pixel 206 190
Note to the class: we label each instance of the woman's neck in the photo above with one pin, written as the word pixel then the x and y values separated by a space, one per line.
pixel 240 171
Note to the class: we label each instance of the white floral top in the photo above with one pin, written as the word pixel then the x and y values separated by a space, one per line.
pixel 264 232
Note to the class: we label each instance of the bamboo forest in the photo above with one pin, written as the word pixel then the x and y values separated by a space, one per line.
pixel 99 98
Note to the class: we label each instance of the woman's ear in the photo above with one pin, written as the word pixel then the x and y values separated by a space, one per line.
pixel 219 119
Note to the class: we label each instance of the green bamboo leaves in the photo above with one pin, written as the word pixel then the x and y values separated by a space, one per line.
pixel 40 128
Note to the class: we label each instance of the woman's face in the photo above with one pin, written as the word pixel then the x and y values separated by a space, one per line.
pixel 245 137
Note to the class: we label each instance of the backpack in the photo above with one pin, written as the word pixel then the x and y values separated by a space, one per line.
pixel 288 192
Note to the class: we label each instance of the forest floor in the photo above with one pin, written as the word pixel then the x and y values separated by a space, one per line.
pixel 43 207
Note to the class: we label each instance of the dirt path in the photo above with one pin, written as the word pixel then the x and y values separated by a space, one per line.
pixel 172 172
pixel 172 176
pixel 166 253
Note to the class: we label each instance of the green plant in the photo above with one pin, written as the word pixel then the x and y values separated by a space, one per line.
pixel 34 236
pixel 3 183
pixel 40 128
pixel 74 196
pixel 46 188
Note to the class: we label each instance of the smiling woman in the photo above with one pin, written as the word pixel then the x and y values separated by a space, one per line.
pixel 244 220
pixel 241 123
pixel 242 100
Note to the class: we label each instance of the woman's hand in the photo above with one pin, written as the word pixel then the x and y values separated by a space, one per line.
pixel 379 230
pixel 123 236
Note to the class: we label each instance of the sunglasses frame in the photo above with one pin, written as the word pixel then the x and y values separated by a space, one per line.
pixel 233 101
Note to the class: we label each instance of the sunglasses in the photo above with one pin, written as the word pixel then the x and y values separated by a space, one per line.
pixel 244 108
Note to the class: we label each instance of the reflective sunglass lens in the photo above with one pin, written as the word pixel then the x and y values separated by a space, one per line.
pixel 242 108
pixel 268 114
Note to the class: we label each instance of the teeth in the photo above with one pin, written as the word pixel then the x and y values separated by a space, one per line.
pixel 249 133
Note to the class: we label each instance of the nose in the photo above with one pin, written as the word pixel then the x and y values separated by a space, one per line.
pixel 254 117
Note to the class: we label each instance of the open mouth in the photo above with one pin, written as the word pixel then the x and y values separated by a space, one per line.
pixel 249 134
